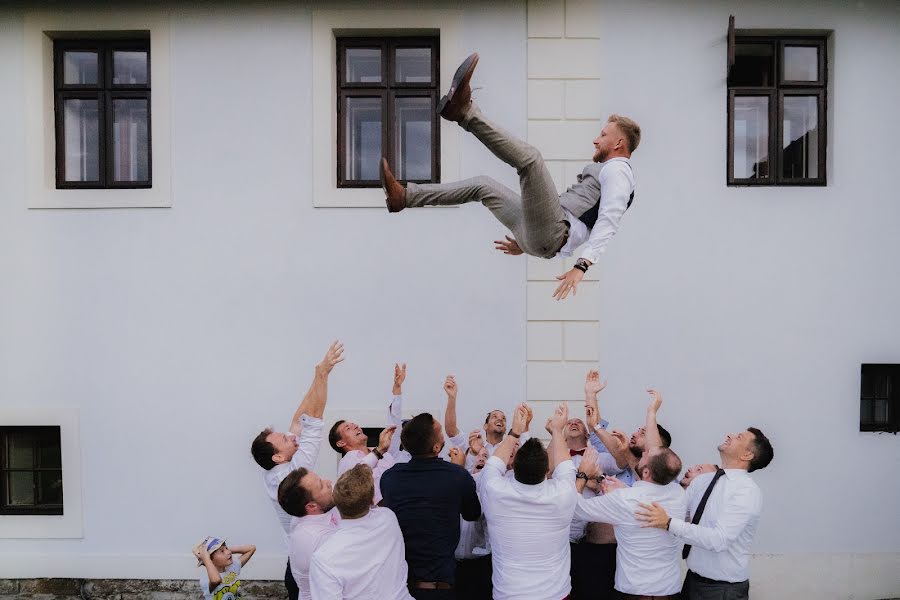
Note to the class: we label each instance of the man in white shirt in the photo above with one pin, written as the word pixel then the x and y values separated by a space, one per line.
pixel 364 558
pixel 724 508
pixel 543 223
pixel 529 515
pixel 280 453
pixel 351 442
pixel 309 498
pixel 494 431
pixel 647 561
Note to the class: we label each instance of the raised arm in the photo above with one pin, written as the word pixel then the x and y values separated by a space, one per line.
pixel 395 410
pixel 246 552
pixel 212 572
pixel 519 425
pixel 651 433
pixel 450 427
pixel 556 425
pixel 313 403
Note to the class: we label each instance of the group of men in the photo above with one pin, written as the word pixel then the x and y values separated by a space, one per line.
pixel 439 514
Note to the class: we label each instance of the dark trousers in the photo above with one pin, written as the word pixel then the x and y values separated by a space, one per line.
pixel 700 588
pixel 473 578
pixel 291 585
pixel 432 594
pixel 593 571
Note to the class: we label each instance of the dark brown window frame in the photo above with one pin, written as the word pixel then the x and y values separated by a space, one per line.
pixel 105 92
pixel 776 94
pixel 38 432
pixel 893 397
pixel 387 90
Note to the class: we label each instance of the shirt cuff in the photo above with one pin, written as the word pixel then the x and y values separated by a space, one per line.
pixel 677 527
pixel 305 419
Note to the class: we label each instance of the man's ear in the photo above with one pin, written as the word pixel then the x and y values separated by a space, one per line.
pixel 340 443
pixel 278 458
pixel 311 505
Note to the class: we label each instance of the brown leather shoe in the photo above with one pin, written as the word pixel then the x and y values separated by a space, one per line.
pixel 453 106
pixel 394 192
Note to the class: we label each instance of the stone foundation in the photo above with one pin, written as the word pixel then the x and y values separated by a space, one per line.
pixel 126 589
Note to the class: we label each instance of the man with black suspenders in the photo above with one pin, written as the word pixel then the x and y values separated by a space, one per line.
pixel 724 507
pixel 543 223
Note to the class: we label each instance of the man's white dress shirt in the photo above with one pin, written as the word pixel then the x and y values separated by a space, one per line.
pixel 491 448
pixel 722 540
pixel 305 457
pixel 307 534
pixel 363 560
pixel 648 560
pixel 616 186
pixel 529 531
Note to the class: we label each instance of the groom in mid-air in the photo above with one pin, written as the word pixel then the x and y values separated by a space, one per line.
pixel 543 223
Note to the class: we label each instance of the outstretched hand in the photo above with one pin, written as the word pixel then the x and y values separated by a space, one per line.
pixel 385 437
pixel 593 385
pixel 569 283
pixel 450 386
pixel 334 355
pixel 399 377
pixel 509 246
pixel 655 400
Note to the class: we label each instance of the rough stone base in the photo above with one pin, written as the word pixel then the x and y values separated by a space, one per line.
pixel 126 589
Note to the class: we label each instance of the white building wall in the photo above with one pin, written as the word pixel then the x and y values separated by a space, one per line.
pixel 744 306
pixel 181 332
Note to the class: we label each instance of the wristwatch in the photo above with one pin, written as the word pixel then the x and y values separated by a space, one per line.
pixel 582 265
pixel 512 433
pixel 377 453
pixel 581 475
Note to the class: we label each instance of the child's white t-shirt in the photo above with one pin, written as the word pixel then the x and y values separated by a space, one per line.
pixel 229 589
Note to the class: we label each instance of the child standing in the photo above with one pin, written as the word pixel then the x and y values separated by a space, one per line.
pixel 220 579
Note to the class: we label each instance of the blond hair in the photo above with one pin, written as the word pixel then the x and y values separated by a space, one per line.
pixel 629 128
pixel 354 492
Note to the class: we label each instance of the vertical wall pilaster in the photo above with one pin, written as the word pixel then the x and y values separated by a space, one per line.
pixel 563 118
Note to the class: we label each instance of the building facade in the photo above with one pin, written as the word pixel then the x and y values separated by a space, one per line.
pixel 177 256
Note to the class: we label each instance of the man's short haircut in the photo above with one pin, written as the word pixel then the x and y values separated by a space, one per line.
pixel 665 435
pixel 762 450
pixel 334 437
pixel 488 417
pixel 263 450
pixel 354 492
pixel 531 463
pixel 664 466
pixel 292 496
pixel 630 129
pixel 417 435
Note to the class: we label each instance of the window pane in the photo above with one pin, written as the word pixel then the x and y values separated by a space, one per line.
pixel 81 124
pixel 363 65
pixel 362 139
pixel 754 65
pixel 129 67
pixel 800 138
pixel 413 65
pixel 21 451
pixel 751 137
pixel 49 487
pixel 131 157
pixel 412 135
pixel 80 68
pixel 21 488
pixel 49 454
pixel 801 63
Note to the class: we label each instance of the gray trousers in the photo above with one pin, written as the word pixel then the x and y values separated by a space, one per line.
pixel 536 218
pixel 695 589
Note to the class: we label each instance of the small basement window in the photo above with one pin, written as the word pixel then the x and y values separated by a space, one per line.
pixel 879 398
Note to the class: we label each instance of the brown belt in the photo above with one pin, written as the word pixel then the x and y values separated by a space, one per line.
pixel 431 585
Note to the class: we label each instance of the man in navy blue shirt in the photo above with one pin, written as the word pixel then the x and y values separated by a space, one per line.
pixel 428 495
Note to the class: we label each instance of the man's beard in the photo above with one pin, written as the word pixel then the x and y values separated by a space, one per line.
pixel 636 451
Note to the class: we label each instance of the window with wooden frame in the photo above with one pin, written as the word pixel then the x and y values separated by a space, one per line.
pixel 386 98
pixel 102 105
pixel 879 398
pixel 777 102
pixel 31 480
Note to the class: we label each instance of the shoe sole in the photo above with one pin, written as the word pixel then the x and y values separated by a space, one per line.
pixel 466 68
